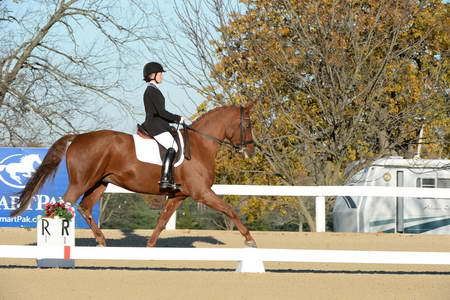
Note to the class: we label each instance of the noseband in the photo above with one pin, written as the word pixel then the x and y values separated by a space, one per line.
pixel 237 147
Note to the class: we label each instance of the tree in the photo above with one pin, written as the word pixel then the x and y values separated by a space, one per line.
pixel 187 47
pixel 337 84
pixel 62 61
pixel 4 12
pixel 127 211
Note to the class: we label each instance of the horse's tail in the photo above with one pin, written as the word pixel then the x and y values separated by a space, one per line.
pixel 47 168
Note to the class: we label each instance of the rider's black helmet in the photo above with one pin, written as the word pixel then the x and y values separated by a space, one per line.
pixel 152 67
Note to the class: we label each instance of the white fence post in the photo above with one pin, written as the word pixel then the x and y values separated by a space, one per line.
pixel 172 223
pixel 320 214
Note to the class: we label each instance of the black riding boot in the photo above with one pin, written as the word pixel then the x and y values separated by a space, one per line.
pixel 167 181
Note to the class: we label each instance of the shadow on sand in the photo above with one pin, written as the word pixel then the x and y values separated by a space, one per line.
pixel 212 269
pixel 131 239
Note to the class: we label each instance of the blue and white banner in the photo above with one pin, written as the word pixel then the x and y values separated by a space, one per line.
pixel 16 168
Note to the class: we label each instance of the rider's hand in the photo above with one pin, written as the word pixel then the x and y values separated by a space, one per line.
pixel 182 121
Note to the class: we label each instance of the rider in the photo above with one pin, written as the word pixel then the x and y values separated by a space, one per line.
pixel 157 120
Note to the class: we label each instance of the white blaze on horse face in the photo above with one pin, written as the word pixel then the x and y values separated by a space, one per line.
pixel 249 149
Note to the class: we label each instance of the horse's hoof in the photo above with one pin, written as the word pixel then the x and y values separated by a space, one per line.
pixel 251 244
pixel 101 244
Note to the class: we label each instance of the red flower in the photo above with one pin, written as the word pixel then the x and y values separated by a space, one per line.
pixel 59 209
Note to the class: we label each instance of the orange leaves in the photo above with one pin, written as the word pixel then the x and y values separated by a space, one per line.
pixel 219 68
pixel 334 82
pixel 284 31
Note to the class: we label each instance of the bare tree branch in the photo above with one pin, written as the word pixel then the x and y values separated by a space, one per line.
pixel 62 61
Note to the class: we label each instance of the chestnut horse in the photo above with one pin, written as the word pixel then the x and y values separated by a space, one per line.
pixel 97 158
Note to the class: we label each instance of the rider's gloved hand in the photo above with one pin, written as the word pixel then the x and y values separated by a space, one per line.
pixel 182 121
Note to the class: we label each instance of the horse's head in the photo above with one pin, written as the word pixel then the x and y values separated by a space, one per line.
pixel 239 132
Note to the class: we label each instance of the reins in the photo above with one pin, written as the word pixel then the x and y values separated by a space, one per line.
pixel 219 141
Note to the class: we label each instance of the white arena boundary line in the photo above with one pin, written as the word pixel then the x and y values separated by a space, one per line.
pixel 250 259
pixel 320 192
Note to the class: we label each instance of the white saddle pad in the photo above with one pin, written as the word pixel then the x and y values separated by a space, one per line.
pixel 147 150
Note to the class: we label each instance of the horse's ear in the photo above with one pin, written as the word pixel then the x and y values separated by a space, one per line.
pixel 249 105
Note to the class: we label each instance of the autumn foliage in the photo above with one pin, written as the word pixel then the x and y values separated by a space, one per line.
pixel 336 85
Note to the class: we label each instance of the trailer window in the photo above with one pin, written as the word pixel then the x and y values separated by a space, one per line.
pixel 426 182
pixel 443 183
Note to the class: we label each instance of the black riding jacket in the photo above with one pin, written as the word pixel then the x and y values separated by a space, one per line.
pixel 157 118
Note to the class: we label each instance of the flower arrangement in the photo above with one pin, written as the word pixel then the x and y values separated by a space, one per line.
pixel 59 209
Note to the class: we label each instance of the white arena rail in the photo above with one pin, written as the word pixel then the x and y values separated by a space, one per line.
pixel 250 259
pixel 319 192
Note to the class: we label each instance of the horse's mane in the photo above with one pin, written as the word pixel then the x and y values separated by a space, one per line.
pixel 200 118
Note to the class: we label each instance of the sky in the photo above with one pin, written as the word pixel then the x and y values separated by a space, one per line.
pixel 177 101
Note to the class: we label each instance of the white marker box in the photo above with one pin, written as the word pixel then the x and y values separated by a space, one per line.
pixel 55 232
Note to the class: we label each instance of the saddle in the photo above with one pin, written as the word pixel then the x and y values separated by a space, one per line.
pixel 162 151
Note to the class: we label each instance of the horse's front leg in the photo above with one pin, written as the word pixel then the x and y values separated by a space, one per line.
pixel 212 200
pixel 171 206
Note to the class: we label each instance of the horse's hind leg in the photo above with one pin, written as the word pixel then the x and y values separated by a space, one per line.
pixel 171 206
pixel 85 208
pixel 212 200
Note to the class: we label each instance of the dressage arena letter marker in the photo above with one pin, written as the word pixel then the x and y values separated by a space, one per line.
pixel 55 233
pixel 44 225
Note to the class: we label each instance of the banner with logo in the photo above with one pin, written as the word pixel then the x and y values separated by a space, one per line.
pixel 16 167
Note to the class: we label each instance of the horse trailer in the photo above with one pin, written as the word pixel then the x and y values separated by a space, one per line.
pixel 396 214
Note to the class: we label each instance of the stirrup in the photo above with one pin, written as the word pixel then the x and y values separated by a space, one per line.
pixel 166 185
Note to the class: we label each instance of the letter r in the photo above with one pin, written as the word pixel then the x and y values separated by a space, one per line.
pixel 65 227
pixel 45 225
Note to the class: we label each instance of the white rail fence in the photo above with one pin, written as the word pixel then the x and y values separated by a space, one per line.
pixel 319 192
pixel 249 259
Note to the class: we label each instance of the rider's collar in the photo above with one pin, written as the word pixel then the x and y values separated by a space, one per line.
pixel 154 84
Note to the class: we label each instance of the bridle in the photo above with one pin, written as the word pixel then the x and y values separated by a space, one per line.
pixel 242 142
pixel 242 128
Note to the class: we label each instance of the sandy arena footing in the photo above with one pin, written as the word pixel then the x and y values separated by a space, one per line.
pixel 106 279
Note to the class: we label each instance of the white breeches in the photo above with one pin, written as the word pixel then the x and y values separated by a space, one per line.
pixel 167 140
